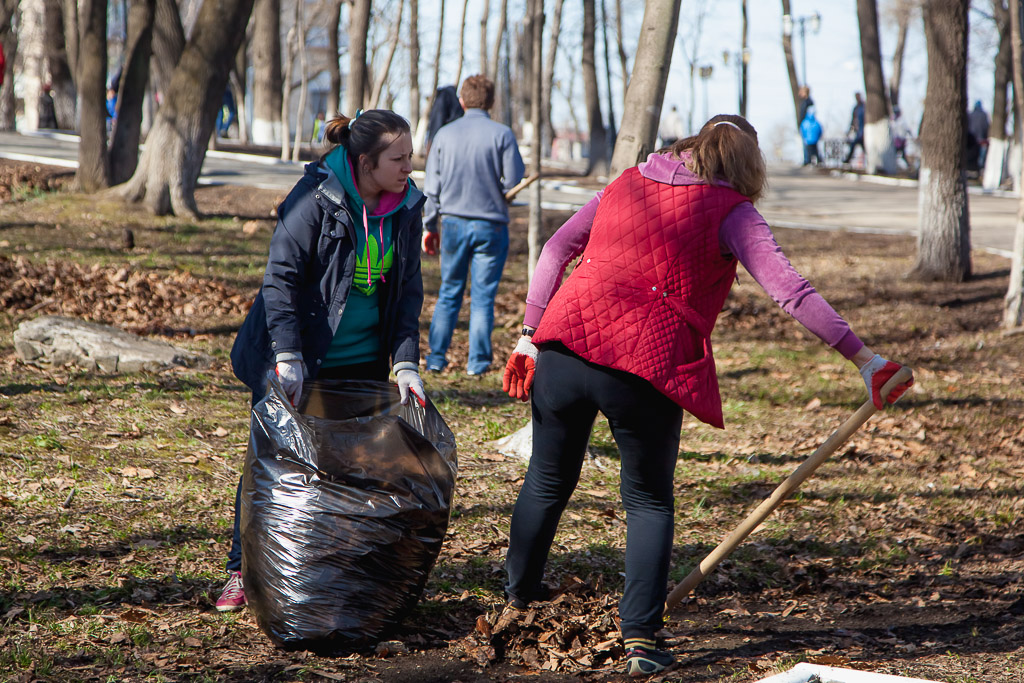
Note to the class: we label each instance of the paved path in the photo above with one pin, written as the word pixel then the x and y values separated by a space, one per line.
pixel 797 197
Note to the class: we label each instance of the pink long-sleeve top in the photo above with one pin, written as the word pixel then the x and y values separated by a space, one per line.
pixel 744 233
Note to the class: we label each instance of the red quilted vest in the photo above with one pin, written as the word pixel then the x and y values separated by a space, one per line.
pixel 648 288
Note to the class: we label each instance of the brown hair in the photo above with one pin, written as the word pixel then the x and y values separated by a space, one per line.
pixel 726 149
pixel 368 132
pixel 477 92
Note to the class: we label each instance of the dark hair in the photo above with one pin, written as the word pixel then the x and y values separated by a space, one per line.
pixel 477 92
pixel 369 132
pixel 726 149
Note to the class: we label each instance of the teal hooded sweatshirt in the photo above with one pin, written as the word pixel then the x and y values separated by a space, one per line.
pixel 357 339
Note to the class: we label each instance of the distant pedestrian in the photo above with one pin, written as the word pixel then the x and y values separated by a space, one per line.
pixel 803 95
pixel 47 111
pixel 447 107
pixel 855 135
pixel 111 107
pixel 671 127
pixel 319 125
pixel 226 113
pixel 473 162
pixel 810 131
pixel 977 136
pixel 3 64
pixel 901 134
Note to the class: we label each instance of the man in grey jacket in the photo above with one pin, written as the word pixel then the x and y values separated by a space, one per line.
pixel 473 161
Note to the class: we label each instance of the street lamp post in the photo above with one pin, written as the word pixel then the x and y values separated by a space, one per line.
pixel 705 74
pixel 788 21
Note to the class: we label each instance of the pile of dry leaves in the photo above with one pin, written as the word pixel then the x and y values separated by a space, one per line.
pixel 143 301
pixel 18 176
pixel 576 631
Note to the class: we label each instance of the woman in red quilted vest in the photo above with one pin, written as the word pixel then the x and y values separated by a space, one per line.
pixel 628 334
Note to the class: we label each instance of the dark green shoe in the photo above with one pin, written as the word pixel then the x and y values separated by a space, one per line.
pixel 644 659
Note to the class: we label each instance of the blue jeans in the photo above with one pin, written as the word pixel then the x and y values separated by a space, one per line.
pixel 480 246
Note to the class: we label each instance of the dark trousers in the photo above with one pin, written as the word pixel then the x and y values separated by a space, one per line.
pixel 811 151
pixel 377 371
pixel 567 394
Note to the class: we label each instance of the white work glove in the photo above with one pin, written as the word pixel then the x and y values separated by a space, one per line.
pixel 289 372
pixel 409 380
pixel 876 372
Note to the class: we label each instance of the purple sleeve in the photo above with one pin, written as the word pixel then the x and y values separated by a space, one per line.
pixel 566 244
pixel 745 234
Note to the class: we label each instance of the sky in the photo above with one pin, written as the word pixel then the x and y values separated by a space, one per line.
pixel 832 55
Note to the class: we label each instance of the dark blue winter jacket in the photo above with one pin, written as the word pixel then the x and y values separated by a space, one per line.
pixel 309 274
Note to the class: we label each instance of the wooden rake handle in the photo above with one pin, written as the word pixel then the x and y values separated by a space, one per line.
pixel 783 491
pixel 523 184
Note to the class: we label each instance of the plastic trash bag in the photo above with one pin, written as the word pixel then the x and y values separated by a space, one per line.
pixel 345 503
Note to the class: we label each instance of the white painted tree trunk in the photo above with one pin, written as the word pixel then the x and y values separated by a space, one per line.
pixel 879 153
pixel 995 164
pixel 33 55
pixel 943 242
pixel 266 131
pixel 1013 308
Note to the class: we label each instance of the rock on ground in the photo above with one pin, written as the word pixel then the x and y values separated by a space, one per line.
pixel 66 341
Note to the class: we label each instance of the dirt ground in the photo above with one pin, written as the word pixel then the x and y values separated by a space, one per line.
pixel 905 555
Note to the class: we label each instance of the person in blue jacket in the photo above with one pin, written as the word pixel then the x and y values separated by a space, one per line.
pixel 343 290
pixel 810 131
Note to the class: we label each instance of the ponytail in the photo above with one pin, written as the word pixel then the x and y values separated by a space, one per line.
pixel 726 149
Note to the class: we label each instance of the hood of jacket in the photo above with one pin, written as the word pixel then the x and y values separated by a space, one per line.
pixel 662 168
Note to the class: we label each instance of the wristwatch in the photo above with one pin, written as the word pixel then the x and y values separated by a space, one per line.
pixel 528 331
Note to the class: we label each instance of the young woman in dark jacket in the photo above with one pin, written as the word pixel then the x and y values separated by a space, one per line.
pixel 628 334
pixel 342 292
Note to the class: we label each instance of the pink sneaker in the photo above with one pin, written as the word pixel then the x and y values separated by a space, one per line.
pixel 232 598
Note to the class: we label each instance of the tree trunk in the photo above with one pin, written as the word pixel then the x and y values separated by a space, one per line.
pixel 176 147
pixel 168 42
pixel 124 147
pixel 647 85
pixel 238 89
pixel 879 153
pixel 72 33
pixel 995 157
pixel 536 85
pixel 93 164
pixel 496 50
pixel 437 60
pixel 597 164
pixel 382 77
pixel 290 48
pixel 414 64
pixel 743 60
pixel 944 240
pixel 9 41
pixel 610 133
pixel 61 78
pixel 32 69
pixel 696 16
pixel 1013 304
pixel 484 16
pixel 333 102
pixel 794 84
pixel 266 64
pixel 548 129
pixel 902 10
pixel 358 30
pixel 462 44
pixel 300 114
pixel 623 60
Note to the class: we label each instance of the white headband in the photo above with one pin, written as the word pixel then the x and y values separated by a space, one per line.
pixel 726 123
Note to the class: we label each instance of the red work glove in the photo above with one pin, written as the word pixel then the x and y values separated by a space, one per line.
pixel 431 242
pixel 519 370
pixel 876 372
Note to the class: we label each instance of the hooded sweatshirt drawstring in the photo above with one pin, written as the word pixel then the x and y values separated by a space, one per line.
pixel 366 236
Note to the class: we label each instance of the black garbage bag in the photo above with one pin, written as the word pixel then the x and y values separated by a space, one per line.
pixel 345 503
